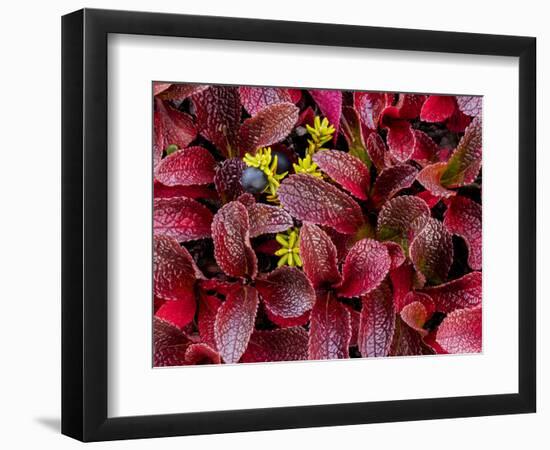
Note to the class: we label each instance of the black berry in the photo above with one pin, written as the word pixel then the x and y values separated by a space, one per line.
pixel 283 163
pixel 253 180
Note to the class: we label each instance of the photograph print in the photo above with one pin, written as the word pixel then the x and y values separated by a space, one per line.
pixel 311 224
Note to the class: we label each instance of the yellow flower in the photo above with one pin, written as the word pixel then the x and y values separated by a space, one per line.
pixel 321 133
pixel 267 163
pixel 307 166
pixel 290 248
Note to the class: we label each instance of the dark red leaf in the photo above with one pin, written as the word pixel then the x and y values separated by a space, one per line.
pixel 228 179
pixel 465 162
pixel 397 256
pixel 390 181
pixel 407 342
pixel 377 322
pixel 186 167
pixel 431 251
pixel 284 322
pixel 347 170
pixel 313 200
pixel 430 178
pixel 177 128
pixel 463 218
pixel 235 323
pixel 180 91
pixel 401 140
pixel 355 318
pixel 319 256
pixel 174 271
pixel 417 309
pixel 470 106
pixel 232 249
pixel 464 292
pixel 330 329
pixel 254 99
pixel 366 265
pixel 271 125
pixel 199 354
pixel 426 151
pixel 181 218
pixel 158 138
pixel 268 219
pixel 218 111
pixel 162 191
pixel 369 106
pixel 178 313
pixel 461 331
pixel 431 200
pixel 208 309
pixel 458 122
pixel 402 280
pixel 288 344
pixel 330 104
pixel 169 344
pixel 378 152
pixel 409 105
pixel 286 292
pixel 437 108
pixel 396 217
pixel 351 129
pixel 160 87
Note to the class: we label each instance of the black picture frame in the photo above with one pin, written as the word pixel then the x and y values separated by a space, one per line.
pixel 84 224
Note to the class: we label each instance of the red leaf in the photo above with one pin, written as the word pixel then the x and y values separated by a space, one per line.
pixel 180 91
pixel 437 108
pixel 347 170
pixel 174 271
pixel 160 87
pixel 162 191
pixel 330 329
pixel 470 106
pixel 377 322
pixel 313 200
pixel 378 152
pixel 228 179
pixel 353 133
pixel 158 138
pixel 271 125
pixel 397 256
pixel 409 105
pixel 355 318
pixel 181 218
pixel 407 342
pixel 463 218
pixel 458 122
pixel 177 128
pixel 266 219
pixel 402 282
pixel 200 354
pixel 369 106
pixel 235 323
pixel 465 162
pixel 218 111
pixel 319 256
pixel 288 344
pixel 430 178
pixel 460 331
pixel 431 200
pixel 189 166
pixel 254 99
pixel 396 217
pixel 431 251
pixel 208 309
pixel 283 322
pixel 401 140
pixel 232 249
pixel 390 181
pixel 330 104
pixel 464 292
pixel 417 309
pixel 366 265
pixel 286 292
pixel 178 313
pixel 169 344
pixel 426 151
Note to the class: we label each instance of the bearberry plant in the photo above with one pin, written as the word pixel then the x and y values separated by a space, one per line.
pixel 296 224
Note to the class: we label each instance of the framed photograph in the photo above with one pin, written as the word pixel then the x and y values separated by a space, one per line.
pixel 274 225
